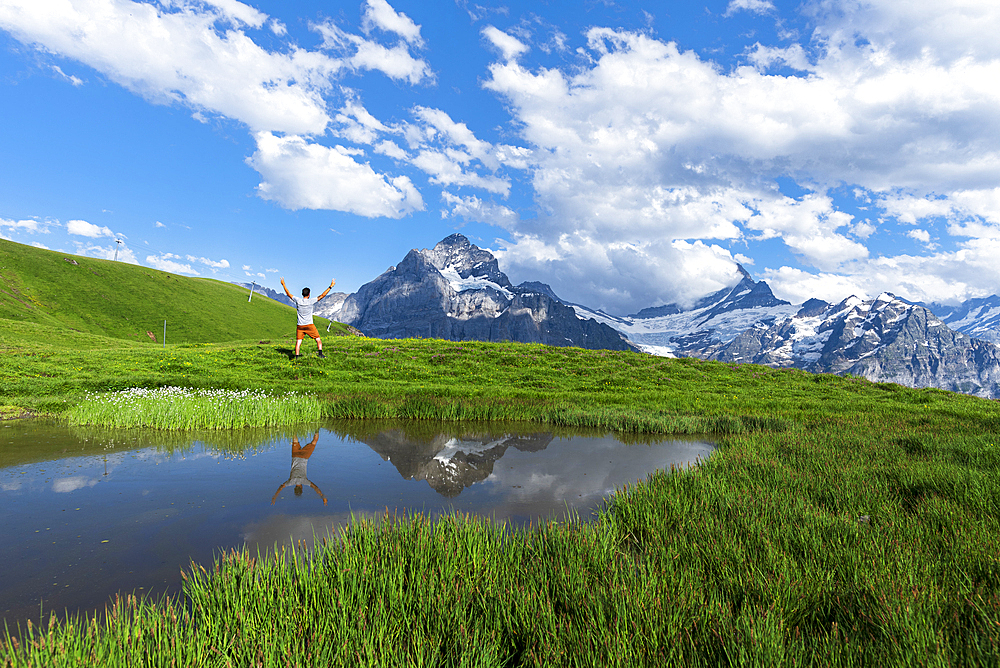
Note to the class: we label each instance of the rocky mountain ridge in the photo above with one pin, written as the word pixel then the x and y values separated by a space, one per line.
pixel 707 326
pixel 978 317
pixel 883 339
pixel 886 339
pixel 456 291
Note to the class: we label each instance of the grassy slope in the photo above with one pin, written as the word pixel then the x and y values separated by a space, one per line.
pixel 123 301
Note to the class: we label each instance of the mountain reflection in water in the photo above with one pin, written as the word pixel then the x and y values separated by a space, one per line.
pixel 449 464
pixel 89 512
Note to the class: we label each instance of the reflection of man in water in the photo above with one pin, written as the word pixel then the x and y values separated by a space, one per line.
pixel 300 457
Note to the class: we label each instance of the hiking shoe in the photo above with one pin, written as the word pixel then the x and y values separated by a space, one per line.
pixel 320 354
pixel 296 356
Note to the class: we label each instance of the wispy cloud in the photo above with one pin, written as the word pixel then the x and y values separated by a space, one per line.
pixel 215 264
pixel 31 226
pixel 76 81
pixel 754 6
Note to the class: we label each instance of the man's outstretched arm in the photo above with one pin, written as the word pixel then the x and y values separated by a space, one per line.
pixel 322 496
pixel 286 289
pixel 327 291
pixel 275 497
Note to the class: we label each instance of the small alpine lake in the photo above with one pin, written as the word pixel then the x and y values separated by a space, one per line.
pixel 90 512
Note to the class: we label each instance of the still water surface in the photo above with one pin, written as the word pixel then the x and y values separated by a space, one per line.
pixel 87 513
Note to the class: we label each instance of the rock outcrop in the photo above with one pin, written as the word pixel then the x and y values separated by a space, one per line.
pixel 978 318
pixel 456 291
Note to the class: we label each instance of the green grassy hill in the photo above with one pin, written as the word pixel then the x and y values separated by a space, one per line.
pixel 125 301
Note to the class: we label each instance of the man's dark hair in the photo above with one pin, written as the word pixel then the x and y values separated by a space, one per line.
pixel 305 292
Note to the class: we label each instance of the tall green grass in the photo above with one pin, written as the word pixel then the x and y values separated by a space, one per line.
pixel 184 408
pixel 621 419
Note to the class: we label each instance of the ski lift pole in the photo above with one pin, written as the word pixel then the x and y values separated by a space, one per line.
pixel 251 291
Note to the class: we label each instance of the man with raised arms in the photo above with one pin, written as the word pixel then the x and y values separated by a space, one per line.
pixel 304 305
pixel 300 458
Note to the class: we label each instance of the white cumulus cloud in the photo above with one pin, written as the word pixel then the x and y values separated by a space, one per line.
pixel 214 264
pixel 29 225
pixel 940 275
pixel 755 6
pixel 396 61
pixel 810 228
pixel 120 252
pixel 179 53
pixel 82 228
pixel 303 175
pixel 648 145
pixel 475 209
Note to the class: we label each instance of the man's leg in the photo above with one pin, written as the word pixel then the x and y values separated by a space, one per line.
pixel 298 344
pixel 319 344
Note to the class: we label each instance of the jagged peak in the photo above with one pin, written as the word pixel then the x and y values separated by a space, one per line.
pixel 452 241
pixel 849 302
pixel 457 251
pixel 886 297
pixel 464 265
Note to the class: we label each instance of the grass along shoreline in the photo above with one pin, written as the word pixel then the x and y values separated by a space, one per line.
pixel 842 523
pixel 182 408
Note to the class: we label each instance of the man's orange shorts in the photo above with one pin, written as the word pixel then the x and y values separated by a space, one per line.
pixel 302 330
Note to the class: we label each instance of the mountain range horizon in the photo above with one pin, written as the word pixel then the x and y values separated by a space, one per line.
pixel 457 291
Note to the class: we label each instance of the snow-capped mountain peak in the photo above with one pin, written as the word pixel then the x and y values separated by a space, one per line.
pixel 457 256
pixel 883 339
pixel 711 323
pixel 456 291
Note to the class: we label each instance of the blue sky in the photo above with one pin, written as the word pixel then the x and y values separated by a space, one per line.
pixel 627 153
